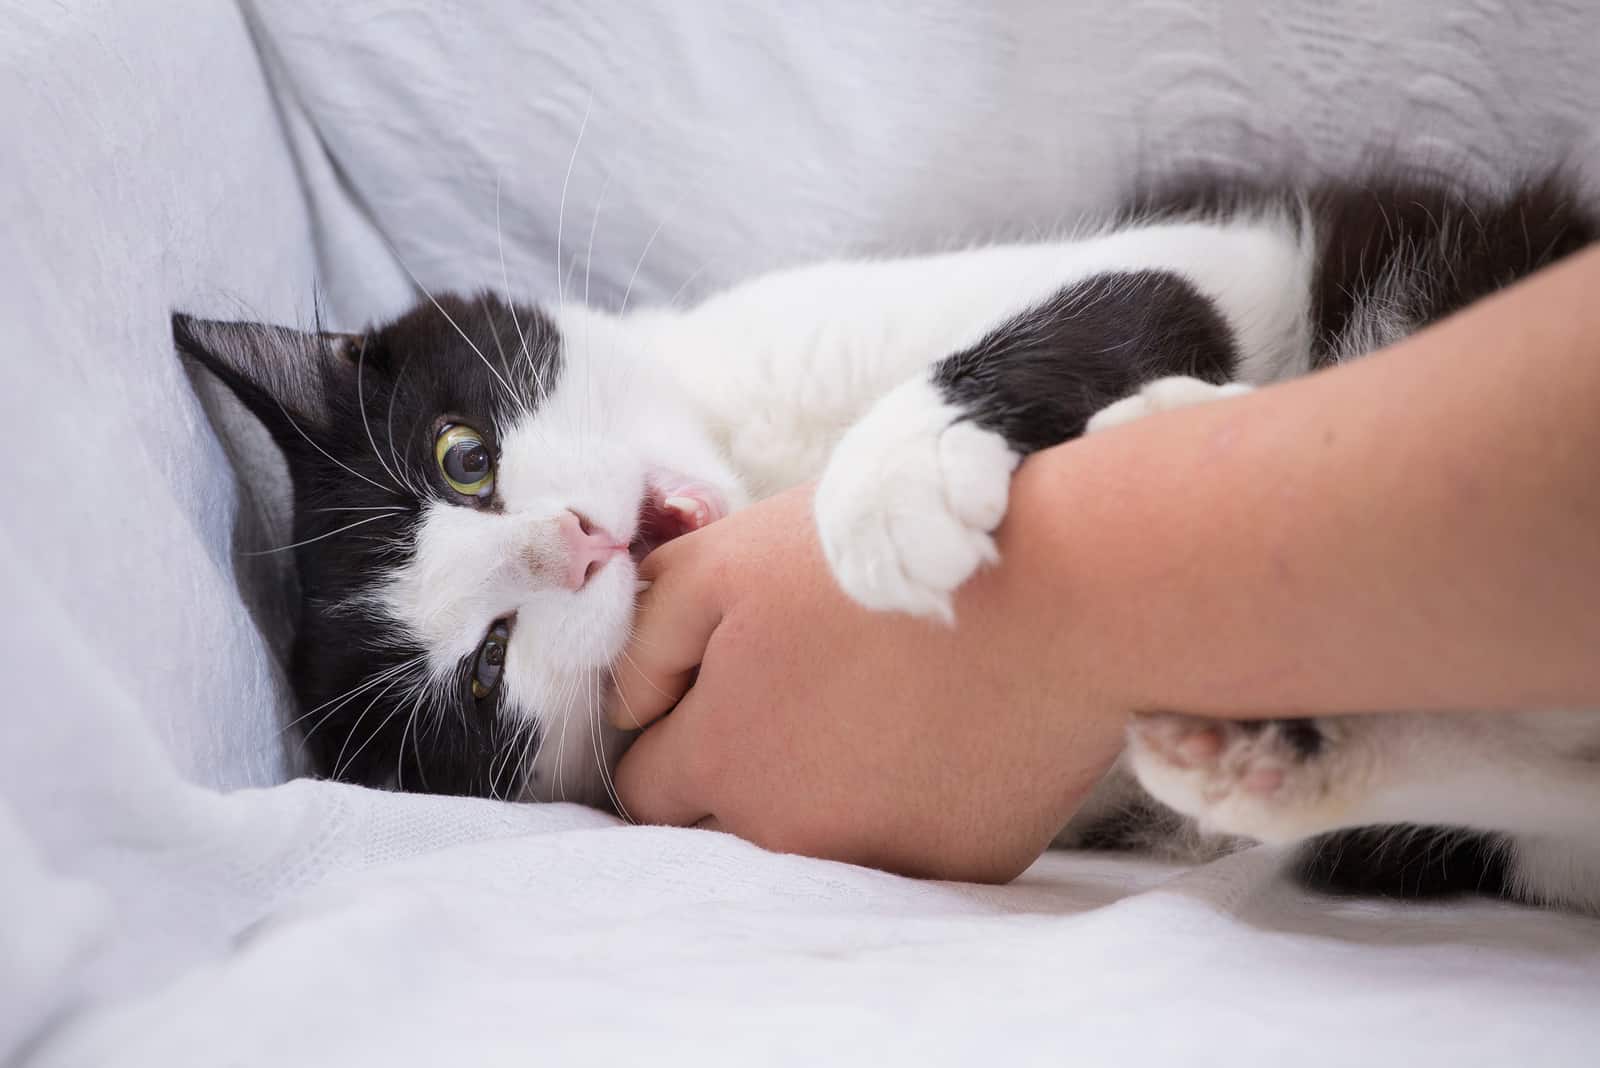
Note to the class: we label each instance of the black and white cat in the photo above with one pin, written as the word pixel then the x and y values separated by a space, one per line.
pixel 475 481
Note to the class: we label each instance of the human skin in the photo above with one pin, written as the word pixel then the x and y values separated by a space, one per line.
pixel 1419 529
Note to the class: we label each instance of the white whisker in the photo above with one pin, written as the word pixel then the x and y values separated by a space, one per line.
pixel 505 281
pixel 344 698
pixel 561 210
pixel 400 750
pixel 388 422
pixel 530 738
pixel 594 225
pixel 605 768
pixel 511 393
pixel 361 402
pixel 638 264
pixel 325 452
pixel 672 302
pixel 339 765
pixel 588 361
pixel 320 537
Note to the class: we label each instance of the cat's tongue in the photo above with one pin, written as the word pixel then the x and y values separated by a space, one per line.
pixel 671 508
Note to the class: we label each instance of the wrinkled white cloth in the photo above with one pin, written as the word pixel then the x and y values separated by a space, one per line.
pixel 168 898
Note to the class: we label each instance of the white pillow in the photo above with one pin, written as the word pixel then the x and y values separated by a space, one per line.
pixel 756 135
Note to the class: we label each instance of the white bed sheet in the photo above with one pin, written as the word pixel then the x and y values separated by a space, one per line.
pixel 166 898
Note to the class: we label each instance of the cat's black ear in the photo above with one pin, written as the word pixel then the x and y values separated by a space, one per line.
pixel 284 376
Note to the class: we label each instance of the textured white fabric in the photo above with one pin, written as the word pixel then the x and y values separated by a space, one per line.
pixel 758 135
pixel 158 155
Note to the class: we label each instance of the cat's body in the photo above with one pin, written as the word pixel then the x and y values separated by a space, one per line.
pixel 472 481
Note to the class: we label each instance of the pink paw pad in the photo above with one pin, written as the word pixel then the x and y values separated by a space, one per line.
pixel 1262 782
pixel 1200 747
pixel 1181 741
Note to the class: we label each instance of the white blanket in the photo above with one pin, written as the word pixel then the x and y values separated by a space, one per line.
pixel 167 898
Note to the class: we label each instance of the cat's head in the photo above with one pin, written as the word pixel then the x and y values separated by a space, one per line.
pixel 473 485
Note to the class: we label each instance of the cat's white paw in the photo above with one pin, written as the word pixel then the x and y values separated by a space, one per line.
pixel 1162 395
pixel 908 504
pixel 1274 780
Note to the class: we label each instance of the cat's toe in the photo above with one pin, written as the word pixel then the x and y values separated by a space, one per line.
pixel 907 506
pixel 1181 741
pixel 1163 395
pixel 1273 780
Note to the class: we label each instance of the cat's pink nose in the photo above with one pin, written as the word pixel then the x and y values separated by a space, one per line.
pixel 588 548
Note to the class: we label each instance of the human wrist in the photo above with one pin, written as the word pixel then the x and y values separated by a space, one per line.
pixel 1408 531
pixel 1158 552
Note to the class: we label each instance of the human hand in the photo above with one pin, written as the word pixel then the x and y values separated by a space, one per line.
pixel 815 726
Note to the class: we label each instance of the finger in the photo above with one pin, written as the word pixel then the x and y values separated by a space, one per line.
pixel 675 619
pixel 657 780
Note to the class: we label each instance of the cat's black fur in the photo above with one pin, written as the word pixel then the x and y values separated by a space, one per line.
pixel 367 450
pixel 1463 243
pixel 1039 379
pixel 1407 862
pixel 1122 330
pixel 372 407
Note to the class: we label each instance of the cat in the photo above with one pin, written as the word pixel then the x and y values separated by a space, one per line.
pixel 475 482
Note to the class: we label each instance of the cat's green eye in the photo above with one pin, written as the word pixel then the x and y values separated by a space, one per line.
pixel 464 460
pixel 489 662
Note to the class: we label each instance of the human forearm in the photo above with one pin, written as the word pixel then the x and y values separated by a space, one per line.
pixel 1418 529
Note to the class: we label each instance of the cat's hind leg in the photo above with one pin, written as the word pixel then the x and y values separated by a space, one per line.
pixel 1530 780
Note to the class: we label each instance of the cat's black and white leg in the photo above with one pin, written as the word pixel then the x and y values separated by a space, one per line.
pixel 1531 781
pixel 913 492
pixel 908 504
pixel 1270 780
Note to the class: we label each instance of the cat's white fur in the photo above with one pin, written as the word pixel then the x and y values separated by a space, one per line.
pixel 829 359
pixel 820 373
pixel 613 416
pixel 1534 775
pixel 781 366
pixel 751 392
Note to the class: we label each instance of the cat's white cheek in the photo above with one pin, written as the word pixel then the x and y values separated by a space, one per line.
pixel 557 678
pixel 582 629
pixel 564 644
pixel 468 569
pixel 616 415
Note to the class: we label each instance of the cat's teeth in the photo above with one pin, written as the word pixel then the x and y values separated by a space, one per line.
pixel 640 585
pixel 695 512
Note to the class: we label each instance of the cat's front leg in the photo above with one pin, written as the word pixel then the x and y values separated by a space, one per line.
pixel 909 502
pixel 910 499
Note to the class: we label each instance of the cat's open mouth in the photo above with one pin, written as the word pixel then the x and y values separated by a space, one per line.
pixel 671 508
